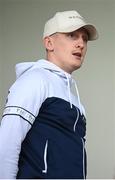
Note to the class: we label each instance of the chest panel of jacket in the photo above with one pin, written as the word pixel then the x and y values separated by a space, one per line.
pixel 54 146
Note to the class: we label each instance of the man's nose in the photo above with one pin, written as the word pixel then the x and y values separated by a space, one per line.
pixel 80 43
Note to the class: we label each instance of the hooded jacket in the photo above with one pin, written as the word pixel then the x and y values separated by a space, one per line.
pixel 45 123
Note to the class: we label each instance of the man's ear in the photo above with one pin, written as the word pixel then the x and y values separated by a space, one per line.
pixel 48 43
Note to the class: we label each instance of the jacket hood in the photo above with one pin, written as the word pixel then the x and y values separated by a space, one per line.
pixel 21 68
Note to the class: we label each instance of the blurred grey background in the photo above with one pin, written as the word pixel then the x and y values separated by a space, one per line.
pixel 21 28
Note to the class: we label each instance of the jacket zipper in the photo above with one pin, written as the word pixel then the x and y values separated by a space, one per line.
pixel 82 142
pixel 83 158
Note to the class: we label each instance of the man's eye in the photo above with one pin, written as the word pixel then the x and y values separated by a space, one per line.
pixel 71 35
pixel 85 38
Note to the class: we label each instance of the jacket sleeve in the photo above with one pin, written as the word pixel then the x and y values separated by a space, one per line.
pixel 12 132
pixel 24 101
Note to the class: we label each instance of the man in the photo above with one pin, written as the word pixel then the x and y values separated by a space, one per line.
pixel 43 129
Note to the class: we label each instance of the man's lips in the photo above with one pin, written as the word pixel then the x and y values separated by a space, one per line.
pixel 78 55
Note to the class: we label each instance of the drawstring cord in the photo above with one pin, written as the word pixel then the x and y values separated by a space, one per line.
pixel 79 102
pixel 77 92
pixel 82 110
pixel 68 84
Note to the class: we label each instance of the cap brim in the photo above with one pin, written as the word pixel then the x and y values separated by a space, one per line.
pixel 92 32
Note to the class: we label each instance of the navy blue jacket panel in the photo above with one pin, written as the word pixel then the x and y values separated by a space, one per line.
pixel 54 146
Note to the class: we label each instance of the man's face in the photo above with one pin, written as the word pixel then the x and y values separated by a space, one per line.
pixel 69 49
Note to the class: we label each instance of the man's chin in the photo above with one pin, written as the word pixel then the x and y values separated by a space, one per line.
pixel 78 66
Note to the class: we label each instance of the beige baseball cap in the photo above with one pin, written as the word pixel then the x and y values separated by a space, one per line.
pixel 68 21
